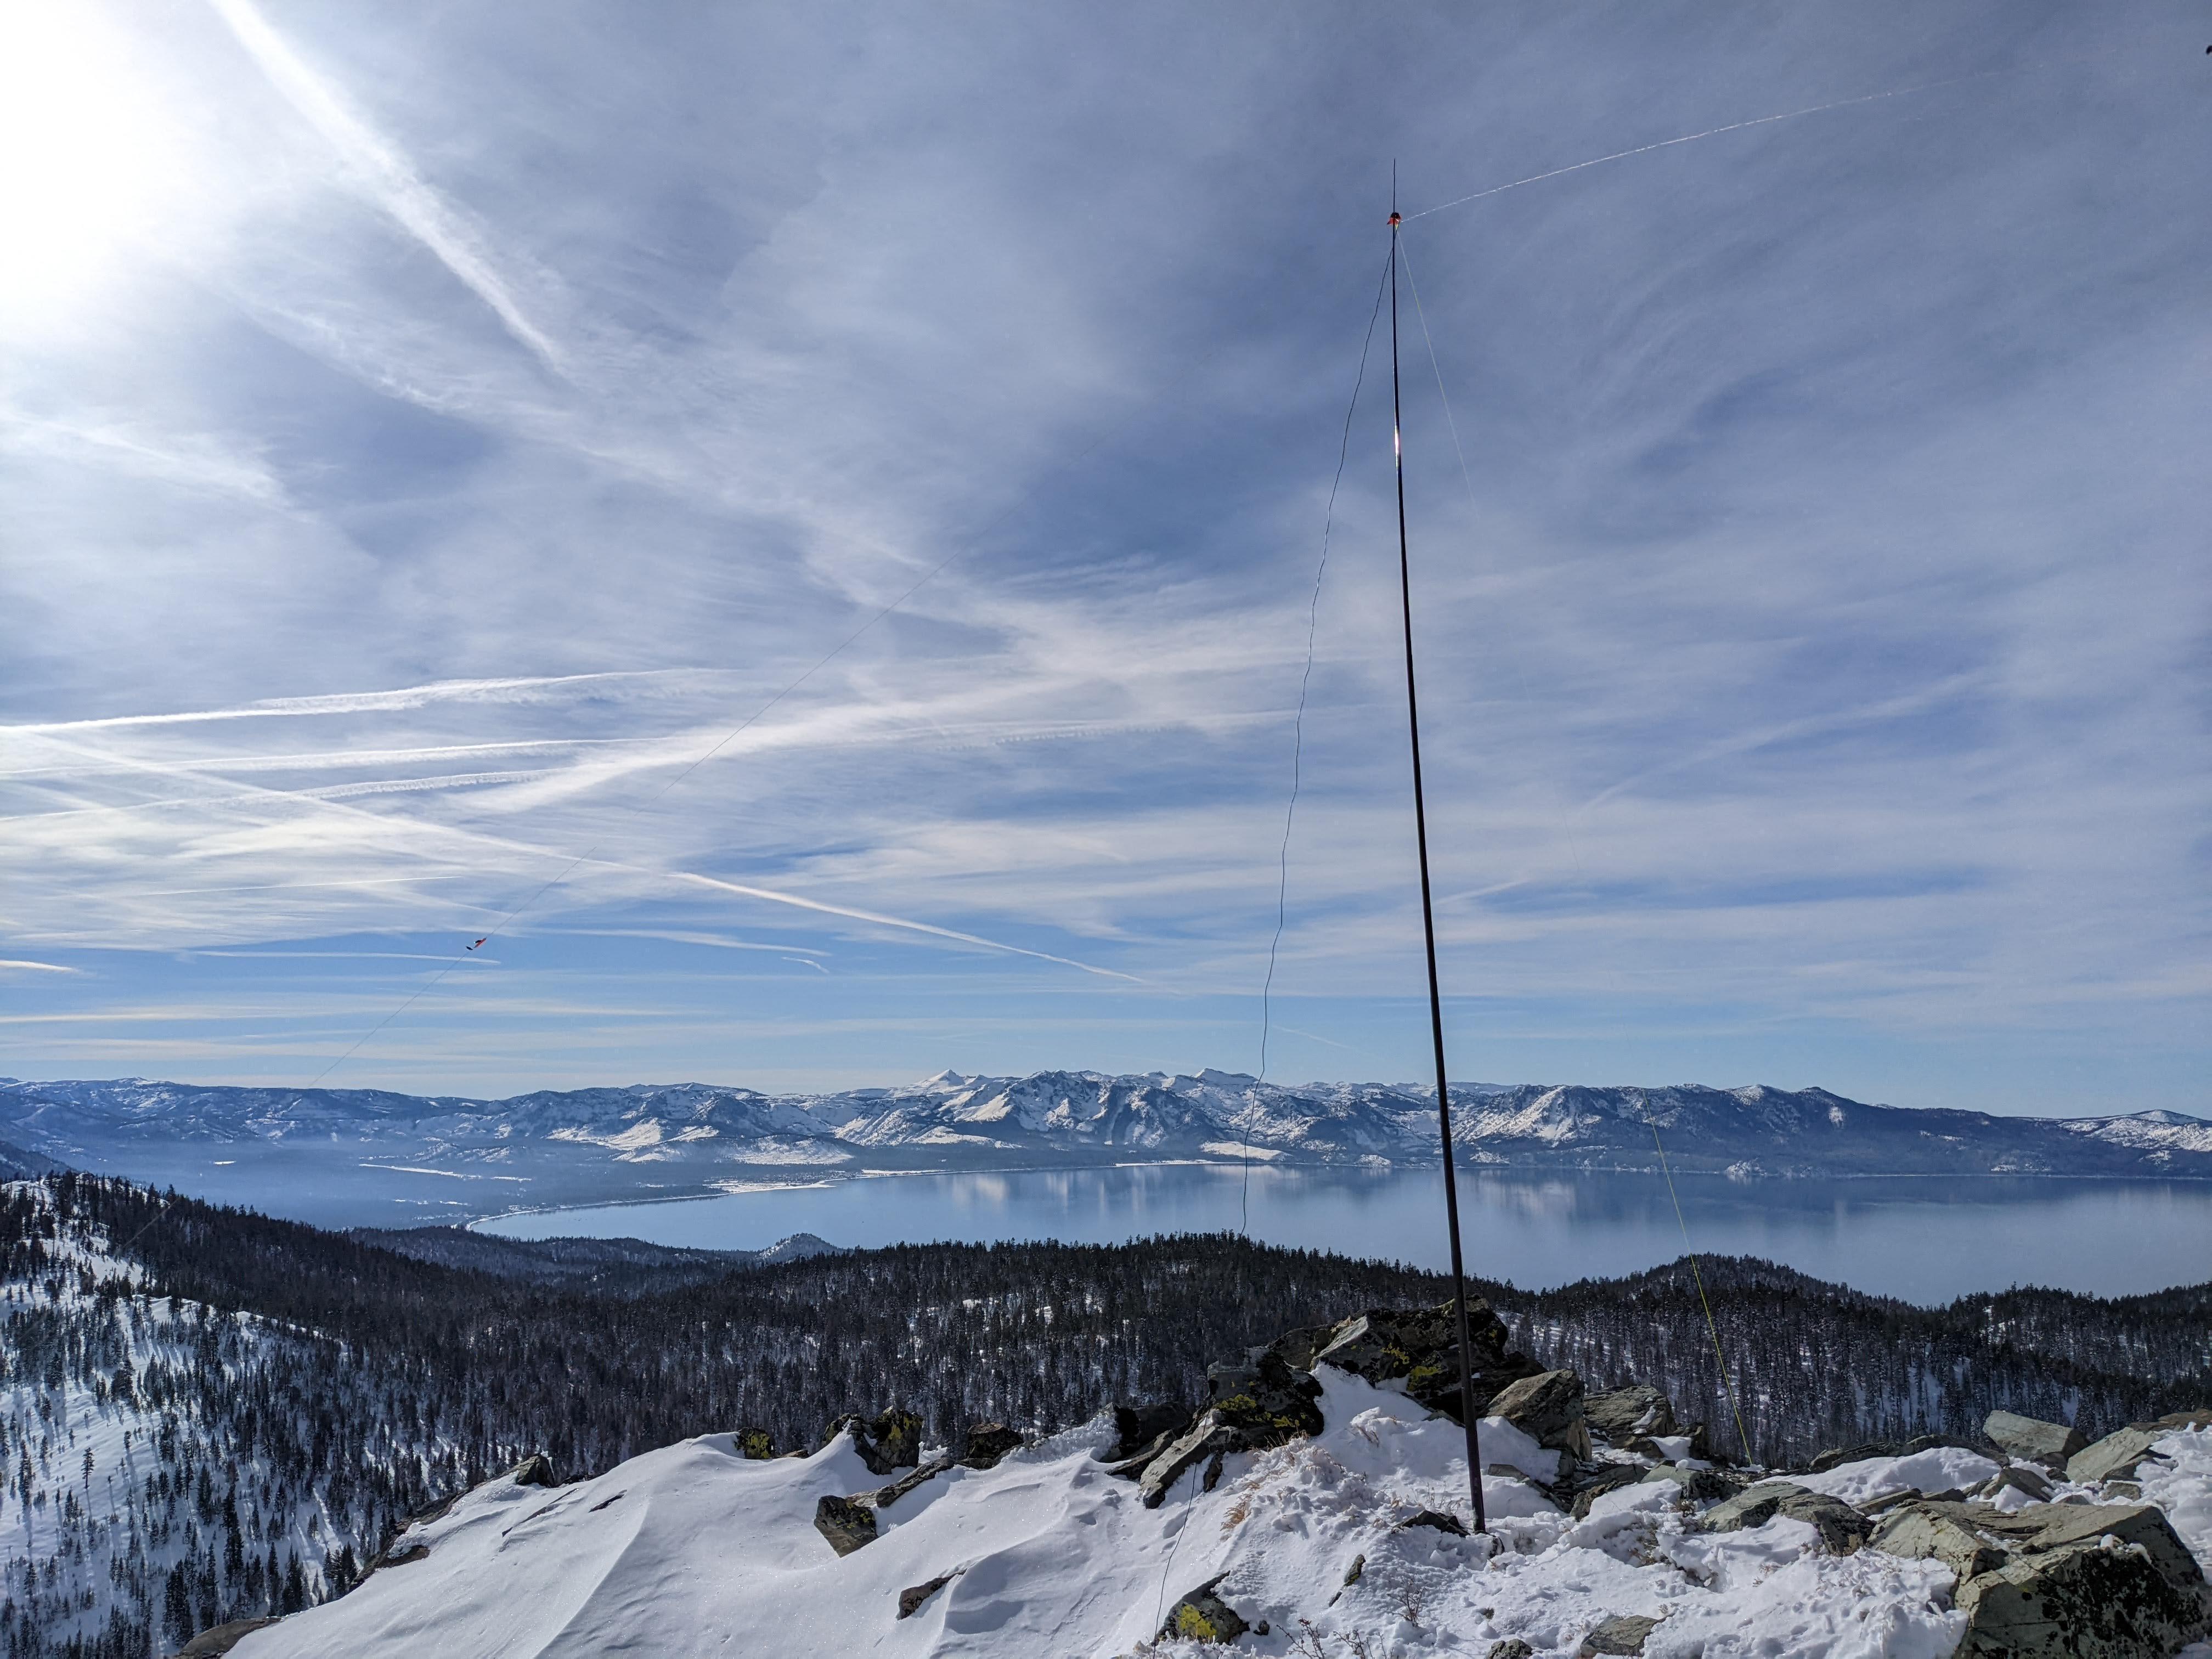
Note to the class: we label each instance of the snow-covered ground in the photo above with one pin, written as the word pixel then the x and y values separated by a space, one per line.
pixel 693 1549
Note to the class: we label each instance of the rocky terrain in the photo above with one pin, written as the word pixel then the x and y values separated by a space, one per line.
pixel 559 1148
pixel 208 1415
pixel 1314 1504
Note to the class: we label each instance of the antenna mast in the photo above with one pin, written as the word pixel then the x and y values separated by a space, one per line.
pixel 1466 1402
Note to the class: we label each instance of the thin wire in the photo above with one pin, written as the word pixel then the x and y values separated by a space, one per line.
pixel 1697 1277
pixel 1712 133
pixel 1297 746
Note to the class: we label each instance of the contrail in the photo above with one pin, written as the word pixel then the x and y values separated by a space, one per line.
pixel 397 186
pixel 348 703
pixel 775 897
pixel 1710 132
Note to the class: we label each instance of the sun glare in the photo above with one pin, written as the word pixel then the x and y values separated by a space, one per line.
pixel 88 163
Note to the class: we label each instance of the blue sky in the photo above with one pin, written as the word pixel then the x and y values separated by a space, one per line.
pixel 440 446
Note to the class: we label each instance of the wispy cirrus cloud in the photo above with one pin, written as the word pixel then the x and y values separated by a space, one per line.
pixel 1805 675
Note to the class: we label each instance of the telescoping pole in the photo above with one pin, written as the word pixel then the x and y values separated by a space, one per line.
pixel 1466 1402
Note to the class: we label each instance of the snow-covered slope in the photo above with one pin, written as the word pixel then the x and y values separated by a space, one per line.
pixel 164 1463
pixel 693 1549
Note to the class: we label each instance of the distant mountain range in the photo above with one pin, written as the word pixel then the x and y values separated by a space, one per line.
pixel 586 1145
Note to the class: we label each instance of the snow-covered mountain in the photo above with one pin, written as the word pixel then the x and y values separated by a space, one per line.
pixel 578 1145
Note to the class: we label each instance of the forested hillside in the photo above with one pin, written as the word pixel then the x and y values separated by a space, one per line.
pixel 207 1414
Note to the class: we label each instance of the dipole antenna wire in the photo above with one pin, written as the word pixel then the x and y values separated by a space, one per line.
pixel 1698 1278
pixel 1428 906
pixel 1298 750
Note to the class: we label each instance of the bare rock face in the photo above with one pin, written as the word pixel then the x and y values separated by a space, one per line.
pixel 1639 1410
pixel 846 1522
pixel 1547 1408
pixel 2032 1441
pixel 1841 1528
pixel 1203 1616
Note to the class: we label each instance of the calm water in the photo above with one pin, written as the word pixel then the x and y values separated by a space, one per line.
pixel 1925 1241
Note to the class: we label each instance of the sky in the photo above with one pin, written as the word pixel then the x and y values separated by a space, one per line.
pixel 800 527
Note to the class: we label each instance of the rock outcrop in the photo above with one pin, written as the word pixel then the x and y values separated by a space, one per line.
pixel 2117 1456
pixel 1841 1528
pixel 2059 1581
pixel 1547 1408
pixel 2032 1441
pixel 1623 1633
pixel 1618 1416
pixel 1420 1347
pixel 887 1442
pixel 848 1523
pixel 1203 1616
pixel 986 1444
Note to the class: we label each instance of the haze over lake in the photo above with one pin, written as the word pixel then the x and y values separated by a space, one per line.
pixel 1925 1241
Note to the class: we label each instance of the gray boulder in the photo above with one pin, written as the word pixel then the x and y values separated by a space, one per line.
pixel 535 1470
pixel 1421 1347
pixel 2142 1528
pixel 2081 1581
pixel 1511 1648
pixel 2115 1457
pixel 846 1522
pixel 1266 1398
pixel 912 1598
pixel 887 1442
pixel 1547 1408
pixel 987 1443
pixel 2199 1418
pixel 1624 1633
pixel 1141 1431
pixel 219 1639
pixel 2080 1602
pixel 883 1496
pixel 1700 1486
pixel 1937 1532
pixel 1620 1415
pixel 1600 1481
pixel 1203 1616
pixel 1841 1528
pixel 2032 1441
pixel 1438 1519
pixel 2020 1478
pixel 1208 1438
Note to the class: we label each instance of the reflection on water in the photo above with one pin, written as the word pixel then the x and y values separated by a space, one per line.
pixel 1924 1240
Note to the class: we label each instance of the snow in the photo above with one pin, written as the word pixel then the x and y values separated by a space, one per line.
pixel 1941 1468
pixel 695 1550
pixel 2179 1481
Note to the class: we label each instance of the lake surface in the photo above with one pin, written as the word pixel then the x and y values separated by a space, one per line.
pixel 1926 1241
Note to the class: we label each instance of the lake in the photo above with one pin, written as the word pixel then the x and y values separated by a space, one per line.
pixel 1925 1241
